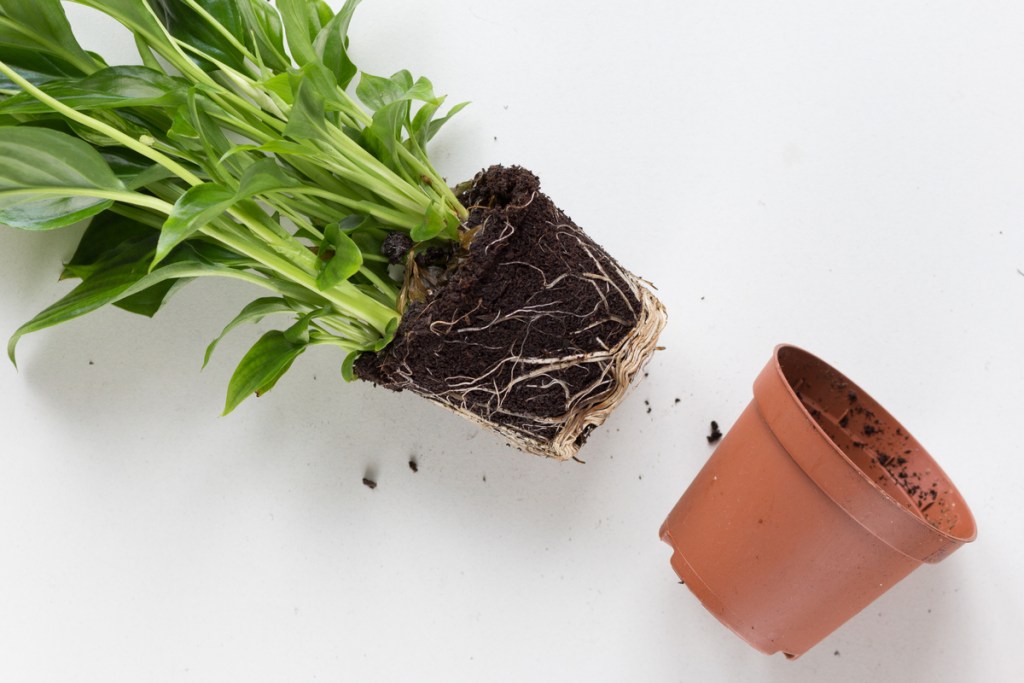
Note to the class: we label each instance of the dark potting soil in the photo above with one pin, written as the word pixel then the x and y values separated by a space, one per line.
pixel 716 435
pixel 532 288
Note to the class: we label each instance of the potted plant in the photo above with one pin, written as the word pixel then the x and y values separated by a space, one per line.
pixel 815 503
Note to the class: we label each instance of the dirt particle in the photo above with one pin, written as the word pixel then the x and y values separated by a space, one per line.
pixel 852 396
pixel 369 483
pixel 678 401
pixel 836 653
pixel 395 247
pixel 413 465
pixel 715 434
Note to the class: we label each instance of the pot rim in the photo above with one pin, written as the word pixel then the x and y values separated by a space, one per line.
pixel 849 486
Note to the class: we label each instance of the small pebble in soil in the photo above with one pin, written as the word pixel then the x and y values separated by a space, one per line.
pixel 369 483
pixel 715 434
pixel 413 465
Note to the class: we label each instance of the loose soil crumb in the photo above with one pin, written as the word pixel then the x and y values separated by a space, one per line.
pixel 715 434
pixel 414 466
pixel 369 483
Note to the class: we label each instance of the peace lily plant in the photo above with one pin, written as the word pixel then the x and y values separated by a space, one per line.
pixel 247 145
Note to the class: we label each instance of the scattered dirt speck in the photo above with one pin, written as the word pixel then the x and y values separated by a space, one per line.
pixel 413 465
pixel 715 434
pixel 369 483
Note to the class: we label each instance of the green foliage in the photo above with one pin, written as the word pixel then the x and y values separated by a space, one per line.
pixel 235 151
pixel 50 180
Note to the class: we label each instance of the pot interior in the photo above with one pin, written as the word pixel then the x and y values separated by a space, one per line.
pixel 876 443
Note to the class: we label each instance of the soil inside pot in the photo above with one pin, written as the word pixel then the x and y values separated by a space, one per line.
pixel 514 333
pixel 876 444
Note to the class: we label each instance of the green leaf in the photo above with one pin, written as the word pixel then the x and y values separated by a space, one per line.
pixel 43 175
pixel 149 301
pixel 194 210
pixel 261 368
pixel 110 241
pixel 41 26
pixel 133 169
pixel 262 177
pixel 331 45
pixel 34 66
pixel 434 223
pixel 254 312
pixel 303 21
pixel 116 87
pixel 281 85
pixel 278 147
pixel 377 92
pixel 348 366
pixel 385 130
pixel 111 286
pixel 203 204
pixel 298 333
pixel 265 33
pixel 435 126
pixel 200 32
pixel 389 335
pixel 346 261
pixel 315 89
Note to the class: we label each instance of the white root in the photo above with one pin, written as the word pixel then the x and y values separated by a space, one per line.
pixel 482 398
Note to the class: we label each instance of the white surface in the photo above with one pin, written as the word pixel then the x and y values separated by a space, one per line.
pixel 847 176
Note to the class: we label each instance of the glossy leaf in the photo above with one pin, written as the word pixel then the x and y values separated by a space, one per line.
pixel 107 287
pixel 262 177
pixel 435 126
pixel 434 223
pixel 110 241
pixel 198 31
pixel 149 301
pixel 34 66
pixel 40 172
pixel 203 204
pixel 41 26
pixel 348 366
pixel 345 261
pixel 303 21
pixel 261 368
pixel 252 313
pixel 112 88
pixel 192 212
pixel 331 45
pixel 265 33
pixel 377 92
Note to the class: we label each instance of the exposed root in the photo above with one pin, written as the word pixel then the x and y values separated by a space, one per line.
pixel 587 408
pixel 538 333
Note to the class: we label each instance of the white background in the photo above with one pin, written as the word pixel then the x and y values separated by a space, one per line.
pixel 847 176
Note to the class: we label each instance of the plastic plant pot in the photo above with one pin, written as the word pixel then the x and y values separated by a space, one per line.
pixel 815 503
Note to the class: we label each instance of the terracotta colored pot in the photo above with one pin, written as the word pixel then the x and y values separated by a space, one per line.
pixel 815 503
